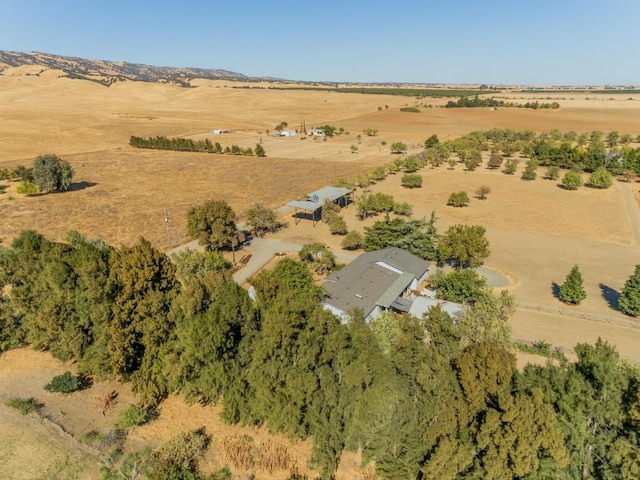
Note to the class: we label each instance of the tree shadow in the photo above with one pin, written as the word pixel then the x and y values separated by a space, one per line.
pixel 610 295
pixel 81 186
pixel 555 290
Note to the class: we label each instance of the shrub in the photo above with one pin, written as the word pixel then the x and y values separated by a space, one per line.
pixel 530 171
pixel 23 405
pixel 483 191
pixel 378 173
pixel 411 164
pixel 337 225
pixel 398 147
pixel 404 209
pixel 27 188
pixel 458 199
pixel 552 173
pixel 410 109
pixel 495 161
pixel 601 178
pixel 470 164
pixel 65 383
pixel 572 180
pixel 411 180
pixel 510 167
pixel 353 240
pixel 329 209
pixel 178 458
pixel 132 416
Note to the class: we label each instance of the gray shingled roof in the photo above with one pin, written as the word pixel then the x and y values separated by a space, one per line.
pixel 396 258
pixel 358 286
pixel 368 281
pixel 395 290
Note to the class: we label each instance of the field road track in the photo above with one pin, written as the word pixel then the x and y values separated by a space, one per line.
pixel 632 212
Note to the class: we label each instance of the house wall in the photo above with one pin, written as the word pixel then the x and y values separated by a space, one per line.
pixel 341 314
pixel 389 267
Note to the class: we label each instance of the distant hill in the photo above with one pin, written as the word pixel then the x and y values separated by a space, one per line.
pixel 106 72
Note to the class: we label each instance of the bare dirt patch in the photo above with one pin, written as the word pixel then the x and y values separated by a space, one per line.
pixel 31 448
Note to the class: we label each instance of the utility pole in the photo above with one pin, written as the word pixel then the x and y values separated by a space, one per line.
pixel 166 221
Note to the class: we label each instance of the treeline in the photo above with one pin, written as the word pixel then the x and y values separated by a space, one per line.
pixel 492 102
pixel 188 145
pixel 586 151
pixel 422 398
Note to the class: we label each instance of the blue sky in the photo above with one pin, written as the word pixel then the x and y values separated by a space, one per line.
pixel 542 42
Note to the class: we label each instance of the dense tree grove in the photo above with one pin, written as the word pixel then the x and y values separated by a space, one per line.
pixel 585 152
pixel 476 101
pixel 421 398
pixel 180 144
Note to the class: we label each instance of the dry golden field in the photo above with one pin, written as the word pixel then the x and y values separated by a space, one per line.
pixel 537 231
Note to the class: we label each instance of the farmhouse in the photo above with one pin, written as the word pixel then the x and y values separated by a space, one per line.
pixel 315 133
pixel 220 131
pixel 312 202
pixel 284 133
pixel 374 282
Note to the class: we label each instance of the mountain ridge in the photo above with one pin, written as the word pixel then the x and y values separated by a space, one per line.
pixel 108 72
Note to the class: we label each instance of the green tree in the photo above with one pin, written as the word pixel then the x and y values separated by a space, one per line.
pixel 572 180
pixel 601 178
pixel 195 264
pixel 353 240
pixel 504 433
pixel 51 173
pixel 329 209
pixel 432 141
pixel 259 150
pixel 206 361
pixel 415 236
pixel 629 301
pixel 402 208
pixel 486 318
pixel 572 290
pixel 411 180
pixel 495 161
pixel 464 246
pixel 530 170
pixel 319 256
pixel 337 225
pixel 458 199
pixel 398 147
pixel 552 173
pixel 411 164
pixel 145 285
pixel 213 224
pixel 262 219
pixel 65 383
pixel 510 166
pixel 591 397
pixel 288 275
pixel 178 458
pixel 458 286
